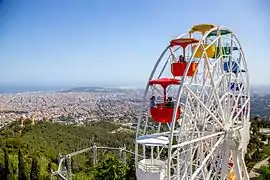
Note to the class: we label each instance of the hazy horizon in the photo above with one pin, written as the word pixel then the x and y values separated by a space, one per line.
pixel 93 84
pixel 22 88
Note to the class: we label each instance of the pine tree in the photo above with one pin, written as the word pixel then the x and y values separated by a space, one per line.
pixel 21 166
pixel 7 172
pixel 34 174
pixel 49 168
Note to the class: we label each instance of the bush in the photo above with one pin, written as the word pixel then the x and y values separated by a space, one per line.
pixel 264 173
pixel 110 168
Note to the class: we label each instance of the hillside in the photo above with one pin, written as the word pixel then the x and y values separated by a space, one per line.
pixel 260 105
pixel 94 89
pixel 46 140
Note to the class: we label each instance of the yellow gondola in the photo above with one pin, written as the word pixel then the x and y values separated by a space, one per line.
pixel 231 175
pixel 202 28
pixel 210 51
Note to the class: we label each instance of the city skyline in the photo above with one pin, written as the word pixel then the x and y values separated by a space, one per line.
pixel 89 43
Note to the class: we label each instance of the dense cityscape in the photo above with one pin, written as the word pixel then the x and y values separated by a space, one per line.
pixel 84 105
pixel 117 105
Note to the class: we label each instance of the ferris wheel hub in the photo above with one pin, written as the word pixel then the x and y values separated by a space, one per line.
pixel 232 139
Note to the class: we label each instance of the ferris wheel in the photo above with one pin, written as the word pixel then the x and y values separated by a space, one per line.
pixel 194 119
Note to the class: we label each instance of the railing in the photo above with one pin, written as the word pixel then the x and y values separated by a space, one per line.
pixel 65 173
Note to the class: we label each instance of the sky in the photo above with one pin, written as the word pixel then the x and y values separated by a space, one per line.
pixel 92 42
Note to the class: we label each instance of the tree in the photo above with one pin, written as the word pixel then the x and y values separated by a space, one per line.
pixel 34 174
pixel 264 173
pixel 254 127
pixel 130 173
pixel 21 166
pixel 7 171
pixel 45 140
pixel 110 168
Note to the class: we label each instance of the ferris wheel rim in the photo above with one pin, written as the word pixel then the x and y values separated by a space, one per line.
pixel 179 93
pixel 152 74
pixel 182 86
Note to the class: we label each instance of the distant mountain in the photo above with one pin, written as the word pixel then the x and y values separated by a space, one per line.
pixel 261 89
pixel 260 105
pixel 94 89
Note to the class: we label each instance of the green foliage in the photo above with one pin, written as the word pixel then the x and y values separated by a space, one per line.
pixel 264 173
pixel 130 172
pixel 44 141
pixel 110 168
pixel 7 172
pixel 21 167
pixel 34 174
pixel 256 150
pixel 13 165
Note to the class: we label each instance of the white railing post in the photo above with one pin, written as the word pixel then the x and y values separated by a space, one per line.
pixel 95 155
pixel 124 155
pixel 69 172
pixel 120 154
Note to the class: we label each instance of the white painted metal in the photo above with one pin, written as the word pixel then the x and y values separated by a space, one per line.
pixel 153 140
pixel 214 124
pixel 149 170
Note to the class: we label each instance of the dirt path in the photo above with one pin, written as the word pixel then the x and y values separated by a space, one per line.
pixel 254 171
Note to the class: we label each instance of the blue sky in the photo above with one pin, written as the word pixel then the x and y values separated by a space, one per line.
pixel 84 42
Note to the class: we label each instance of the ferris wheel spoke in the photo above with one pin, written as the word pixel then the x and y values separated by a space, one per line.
pixel 164 66
pixel 190 120
pixel 207 158
pixel 188 109
pixel 204 107
pixel 236 101
pixel 198 139
pixel 215 90
pixel 215 63
pixel 243 165
pixel 186 156
pixel 214 166
pixel 236 165
pixel 225 163
pixel 210 101
pixel 241 109
pixel 204 85
pixel 216 69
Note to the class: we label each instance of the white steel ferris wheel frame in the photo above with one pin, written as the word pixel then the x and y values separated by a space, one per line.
pixel 235 148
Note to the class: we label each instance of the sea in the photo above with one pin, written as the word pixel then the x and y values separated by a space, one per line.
pixel 25 89
pixel 45 89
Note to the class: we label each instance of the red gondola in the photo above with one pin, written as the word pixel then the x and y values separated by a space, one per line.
pixel 162 113
pixel 178 68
